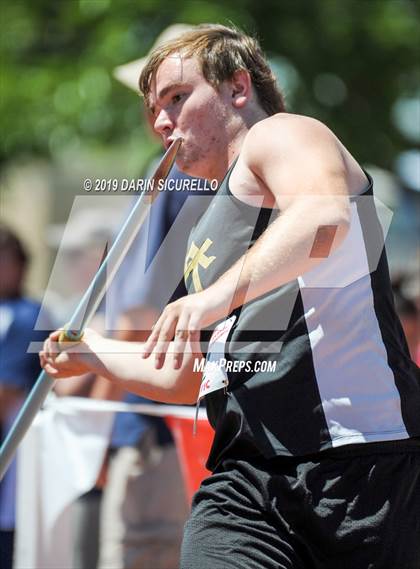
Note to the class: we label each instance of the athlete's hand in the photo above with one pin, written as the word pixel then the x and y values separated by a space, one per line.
pixel 182 321
pixel 67 359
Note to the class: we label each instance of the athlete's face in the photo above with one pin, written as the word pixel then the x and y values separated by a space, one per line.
pixel 185 105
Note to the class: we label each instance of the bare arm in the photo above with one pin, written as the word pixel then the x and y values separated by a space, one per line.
pixel 302 167
pixel 79 386
pixel 121 363
pixel 297 163
pixel 134 325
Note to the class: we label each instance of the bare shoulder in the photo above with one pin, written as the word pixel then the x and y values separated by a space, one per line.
pixel 288 150
pixel 285 134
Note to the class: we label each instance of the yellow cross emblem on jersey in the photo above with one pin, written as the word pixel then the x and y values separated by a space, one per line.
pixel 196 257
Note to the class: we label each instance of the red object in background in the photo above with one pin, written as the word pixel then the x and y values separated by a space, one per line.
pixel 193 450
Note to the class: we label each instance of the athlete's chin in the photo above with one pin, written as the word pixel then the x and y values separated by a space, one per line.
pixel 192 168
pixel 192 161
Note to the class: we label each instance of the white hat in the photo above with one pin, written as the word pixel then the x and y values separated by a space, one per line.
pixel 129 73
pixel 86 227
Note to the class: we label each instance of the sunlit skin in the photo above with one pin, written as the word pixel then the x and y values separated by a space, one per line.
pixel 184 105
pixel 217 126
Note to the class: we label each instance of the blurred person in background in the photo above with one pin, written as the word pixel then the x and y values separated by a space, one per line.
pixel 144 506
pixel 81 248
pixel 18 368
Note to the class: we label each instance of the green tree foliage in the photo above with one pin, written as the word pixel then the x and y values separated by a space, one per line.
pixel 346 62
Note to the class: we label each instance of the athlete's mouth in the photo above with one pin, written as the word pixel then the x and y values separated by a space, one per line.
pixel 167 143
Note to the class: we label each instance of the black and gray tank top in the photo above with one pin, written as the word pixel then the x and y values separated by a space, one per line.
pixel 326 363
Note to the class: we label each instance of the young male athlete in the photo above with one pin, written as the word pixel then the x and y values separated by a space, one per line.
pixel 308 382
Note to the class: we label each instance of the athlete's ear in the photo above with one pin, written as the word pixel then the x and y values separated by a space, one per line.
pixel 241 88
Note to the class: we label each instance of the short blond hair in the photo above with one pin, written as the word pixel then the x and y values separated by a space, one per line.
pixel 221 51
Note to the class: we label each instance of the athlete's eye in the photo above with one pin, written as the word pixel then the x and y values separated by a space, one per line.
pixel 176 98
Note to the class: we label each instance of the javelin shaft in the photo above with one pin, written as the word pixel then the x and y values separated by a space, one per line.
pixel 24 420
pixel 88 305
pixel 96 291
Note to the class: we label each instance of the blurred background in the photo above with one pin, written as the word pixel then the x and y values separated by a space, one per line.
pixel 354 64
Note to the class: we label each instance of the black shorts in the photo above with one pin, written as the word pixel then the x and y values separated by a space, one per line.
pixel 358 509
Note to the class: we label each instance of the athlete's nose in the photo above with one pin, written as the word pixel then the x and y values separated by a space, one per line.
pixel 163 124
